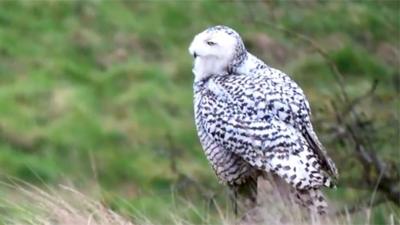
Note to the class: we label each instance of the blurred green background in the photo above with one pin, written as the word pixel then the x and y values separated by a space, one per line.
pixel 98 94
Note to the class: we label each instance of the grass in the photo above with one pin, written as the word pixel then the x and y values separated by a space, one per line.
pixel 100 92
pixel 67 206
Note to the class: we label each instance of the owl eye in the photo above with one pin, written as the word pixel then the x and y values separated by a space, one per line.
pixel 211 43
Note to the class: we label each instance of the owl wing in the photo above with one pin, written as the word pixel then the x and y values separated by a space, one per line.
pixel 274 92
pixel 312 139
pixel 266 142
pixel 292 95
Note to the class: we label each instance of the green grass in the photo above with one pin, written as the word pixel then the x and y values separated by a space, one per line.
pixel 101 91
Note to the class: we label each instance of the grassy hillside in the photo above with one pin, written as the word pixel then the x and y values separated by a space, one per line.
pixel 98 94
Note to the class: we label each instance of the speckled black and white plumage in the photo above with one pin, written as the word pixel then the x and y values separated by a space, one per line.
pixel 251 118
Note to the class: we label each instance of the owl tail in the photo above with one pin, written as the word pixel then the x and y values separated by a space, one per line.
pixel 313 200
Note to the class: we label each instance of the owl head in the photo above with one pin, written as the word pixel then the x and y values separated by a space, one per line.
pixel 215 51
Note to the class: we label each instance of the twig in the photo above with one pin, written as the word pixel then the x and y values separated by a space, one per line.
pixel 359 99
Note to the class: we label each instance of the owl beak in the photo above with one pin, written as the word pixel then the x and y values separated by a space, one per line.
pixel 195 55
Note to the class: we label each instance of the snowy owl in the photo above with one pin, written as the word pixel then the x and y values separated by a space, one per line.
pixel 253 119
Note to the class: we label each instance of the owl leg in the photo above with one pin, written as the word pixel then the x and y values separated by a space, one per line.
pixel 275 186
pixel 313 200
pixel 233 195
pixel 244 196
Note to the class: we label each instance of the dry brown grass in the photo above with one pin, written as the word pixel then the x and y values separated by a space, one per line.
pixel 64 205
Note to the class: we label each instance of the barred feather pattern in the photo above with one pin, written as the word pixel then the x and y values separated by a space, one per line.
pixel 230 168
pixel 244 127
pixel 296 103
pixel 238 119
pixel 293 98
pixel 252 118
pixel 312 199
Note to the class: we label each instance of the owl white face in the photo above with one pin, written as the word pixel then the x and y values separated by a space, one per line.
pixel 212 52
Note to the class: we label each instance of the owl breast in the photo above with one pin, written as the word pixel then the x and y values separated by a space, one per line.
pixel 229 168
